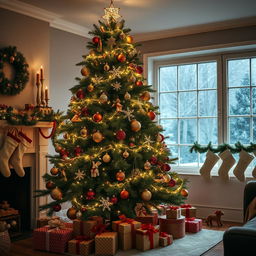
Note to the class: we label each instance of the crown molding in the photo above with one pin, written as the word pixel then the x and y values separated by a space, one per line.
pixel 52 18
pixel 196 29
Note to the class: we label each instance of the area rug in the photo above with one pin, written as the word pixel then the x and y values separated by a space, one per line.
pixel 190 245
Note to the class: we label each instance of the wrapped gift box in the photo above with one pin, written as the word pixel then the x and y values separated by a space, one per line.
pixel 147 237
pixel 193 225
pixel 165 239
pixel 83 228
pixel 52 239
pixel 81 246
pixel 126 232
pixel 162 208
pixel 188 211
pixel 174 227
pixel 173 212
pixel 148 218
pixel 106 243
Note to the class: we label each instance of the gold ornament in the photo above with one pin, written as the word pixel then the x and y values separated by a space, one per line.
pixel 56 194
pixel 106 67
pixel 54 171
pixel 66 136
pixel 129 39
pixel 102 29
pixel 147 165
pixel 92 52
pixel 184 192
pixel 146 195
pixel 90 88
pixel 103 97
pixel 106 158
pixel 76 119
pixel 71 213
pixel 97 137
pixel 135 125
pixel 127 96
pixel 85 71
pixel 120 176
pixel 145 96
pixel 166 178
pixel 126 154
pixel 84 132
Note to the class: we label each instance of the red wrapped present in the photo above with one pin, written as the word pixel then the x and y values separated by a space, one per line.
pixel 81 245
pixel 173 212
pixel 193 225
pixel 84 228
pixel 147 237
pixel 174 227
pixel 188 210
pixel 52 239
pixel 126 232
pixel 165 239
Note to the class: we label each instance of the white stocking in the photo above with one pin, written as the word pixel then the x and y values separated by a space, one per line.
pixel 244 160
pixel 228 162
pixel 210 161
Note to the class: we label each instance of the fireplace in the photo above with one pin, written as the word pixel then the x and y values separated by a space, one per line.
pixel 17 192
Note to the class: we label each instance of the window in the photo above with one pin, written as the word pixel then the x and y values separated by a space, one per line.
pixel 206 99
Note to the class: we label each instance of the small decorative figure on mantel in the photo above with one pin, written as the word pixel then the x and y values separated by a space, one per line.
pixel 215 217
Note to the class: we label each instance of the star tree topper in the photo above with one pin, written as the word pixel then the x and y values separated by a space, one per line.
pixel 111 13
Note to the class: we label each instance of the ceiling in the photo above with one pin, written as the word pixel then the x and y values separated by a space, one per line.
pixel 150 16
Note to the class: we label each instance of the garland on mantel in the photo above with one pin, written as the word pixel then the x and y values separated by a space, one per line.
pixel 220 148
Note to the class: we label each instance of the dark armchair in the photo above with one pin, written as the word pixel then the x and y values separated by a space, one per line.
pixel 242 240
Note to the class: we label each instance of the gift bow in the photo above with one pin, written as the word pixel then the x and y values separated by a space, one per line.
pixel 99 229
pixel 163 234
pixel 56 223
pixel 124 219
pixel 190 219
pixel 173 207
pixel 150 232
pixel 186 206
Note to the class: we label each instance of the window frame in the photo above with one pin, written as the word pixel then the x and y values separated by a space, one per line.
pixel 221 58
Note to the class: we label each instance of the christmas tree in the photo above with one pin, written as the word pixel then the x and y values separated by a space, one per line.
pixel 111 153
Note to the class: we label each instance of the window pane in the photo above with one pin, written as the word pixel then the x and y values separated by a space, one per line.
pixel 238 72
pixel 254 101
pixel 168 105
pixel 188 131
pixel 207 75
pixel 170 130
pixel 187 104
pixel 254 129
pixel 202 158
pixel 253 65
pixel 208 131
pixel 187 77
pixel 208 103
pixel 174 152
pixel 186 157
pixel 239 101
pixel 239 129
pixel 168 78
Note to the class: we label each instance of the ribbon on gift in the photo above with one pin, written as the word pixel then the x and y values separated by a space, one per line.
pixel 150 231
pixel 190 219
pixel 80 239
pixel 55 222
pixel 171 207
pixel 164 234
pixel 99 229
pixel 187 207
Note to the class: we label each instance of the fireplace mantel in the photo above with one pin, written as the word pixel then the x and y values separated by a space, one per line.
pixel 34 157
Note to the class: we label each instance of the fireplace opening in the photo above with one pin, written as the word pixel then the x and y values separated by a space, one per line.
pixel 15 192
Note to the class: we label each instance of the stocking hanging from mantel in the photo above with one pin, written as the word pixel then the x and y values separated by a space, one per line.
pixel 210 161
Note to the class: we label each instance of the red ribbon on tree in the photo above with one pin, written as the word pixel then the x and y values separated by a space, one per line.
pixel 187 207
pixel 150 233
pixel 164 234
pixel 80 239
pixel 54 126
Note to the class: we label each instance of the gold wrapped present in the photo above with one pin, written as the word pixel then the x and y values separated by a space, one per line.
pixel 106 243
pixel 173 212
pixel 83 228
pixel 81 246
pixel 165 239
pixel 188 211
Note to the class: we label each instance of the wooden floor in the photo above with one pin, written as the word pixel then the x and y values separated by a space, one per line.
pixel 24 247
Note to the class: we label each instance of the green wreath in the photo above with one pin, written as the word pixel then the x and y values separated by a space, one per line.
pixel 17 60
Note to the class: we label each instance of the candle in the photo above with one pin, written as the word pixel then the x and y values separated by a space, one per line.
pixel 41 73
pixel 37 78
pixel 46 93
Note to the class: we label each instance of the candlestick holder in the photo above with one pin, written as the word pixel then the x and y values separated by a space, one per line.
pixel 38 99
pixel 46 101
pixel 42 93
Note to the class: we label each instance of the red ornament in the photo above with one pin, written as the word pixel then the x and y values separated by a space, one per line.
pixel 85 112
pixel 166 167
pixel 153 160
pixel 50 185
pixel 78 151
pixel 120 176
pixel 171 183
pixel 97 117
pixel 64 153
pixel 120 135
pixel 96 40
pixel 132 145
pixel 124 194
pixel 56 207
pixel 121 57
pixel 139 69
pixel 151 115
pixel 80 94
pixel 139 83
pixel 160 137
pixel 113 199
pixel 90 194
